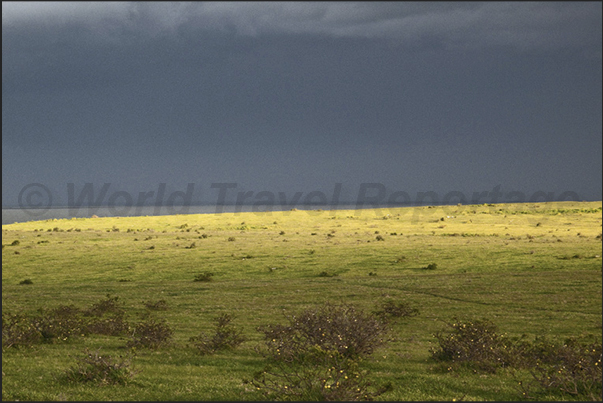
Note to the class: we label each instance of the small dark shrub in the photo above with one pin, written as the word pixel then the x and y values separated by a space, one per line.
pixel 114 325
pixel 326 274
pixel 151 334
pixel 431 266
pixel 160 305
pixel 101 369
pixel 379 238
pixel 107 305
pixel 206 276
pixel 391 309
pixel 16 242
pixel 231 238
pixel 225 337
pixel 26 281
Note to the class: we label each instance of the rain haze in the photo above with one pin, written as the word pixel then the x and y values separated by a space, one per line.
pixel 287 97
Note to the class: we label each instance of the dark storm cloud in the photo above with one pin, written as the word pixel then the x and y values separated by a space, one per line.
pixel 301 95
pixel 525 25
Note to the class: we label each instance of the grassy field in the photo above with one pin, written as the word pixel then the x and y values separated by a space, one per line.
pixel 532 269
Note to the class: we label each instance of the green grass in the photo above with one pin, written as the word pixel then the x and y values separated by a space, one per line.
pixel 532 269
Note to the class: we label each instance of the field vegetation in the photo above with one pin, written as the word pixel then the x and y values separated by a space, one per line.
pixel 464 302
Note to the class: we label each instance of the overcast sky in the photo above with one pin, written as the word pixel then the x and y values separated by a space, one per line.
pixel 301 96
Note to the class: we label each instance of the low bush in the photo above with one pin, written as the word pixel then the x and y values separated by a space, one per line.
pixel 226 336
pixel 569 367
pixel 60 323
pixel 101 369
pixel 151 334
pixel 160 305
pixel 473 342
pixel 206 276
pixel 18 330
pixel 114 325
pixel 391 310
pixel 317 355
pixel 107 305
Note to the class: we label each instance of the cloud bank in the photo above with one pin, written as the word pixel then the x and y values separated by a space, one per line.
pixel 521 25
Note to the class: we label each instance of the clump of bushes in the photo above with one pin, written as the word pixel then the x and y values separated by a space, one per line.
pixel 101 369
pixel 570 366
pixel 51 325
pixel 26 281
pixel 60 323
pixel 226 336
pixel 317 355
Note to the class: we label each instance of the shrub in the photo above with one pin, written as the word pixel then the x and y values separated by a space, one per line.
pixel 316 356
pixel 571 366
pixel 151 334
pixel 102 370
pixel 114 325
pixel 59 324
pixel 26 281
pixel 431 266
pixel 107 305
pixel 160 305
pixel 344 381
pixel 231 238
pixel 206 276
pixel 326 274
pixel 225 337
pixel 474 342
pixel 391 309
pixel 379 238
pixel 18 330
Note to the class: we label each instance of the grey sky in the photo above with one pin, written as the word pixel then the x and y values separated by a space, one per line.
pixel 299 96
